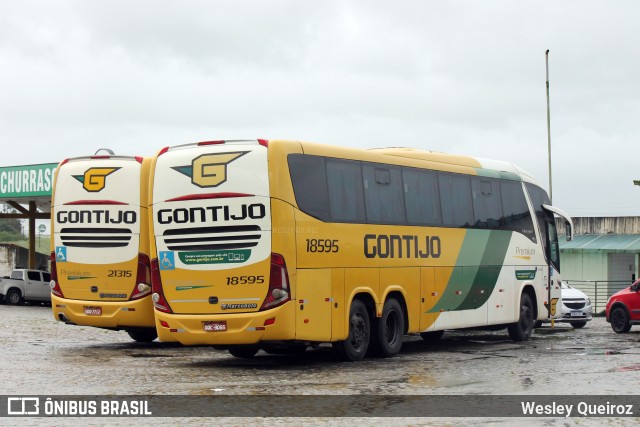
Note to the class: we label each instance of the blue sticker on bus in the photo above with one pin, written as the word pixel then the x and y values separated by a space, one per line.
pixel 167 260
pixel 61 254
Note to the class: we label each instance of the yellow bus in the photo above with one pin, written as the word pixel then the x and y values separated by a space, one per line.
pixel 100 244
pixel 278 245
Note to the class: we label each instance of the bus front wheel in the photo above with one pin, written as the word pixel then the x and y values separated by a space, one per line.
pixel 521 330
pixel 354 348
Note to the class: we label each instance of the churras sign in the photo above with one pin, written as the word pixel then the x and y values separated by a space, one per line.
pixel 27 181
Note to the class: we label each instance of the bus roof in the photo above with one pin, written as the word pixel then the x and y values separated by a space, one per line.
pixel 425 159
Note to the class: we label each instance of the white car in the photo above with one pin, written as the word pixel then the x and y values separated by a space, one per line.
pixel 26 285
pixel 576 308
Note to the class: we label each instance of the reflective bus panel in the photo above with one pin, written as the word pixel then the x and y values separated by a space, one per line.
pixel 100 246
pixel 282 244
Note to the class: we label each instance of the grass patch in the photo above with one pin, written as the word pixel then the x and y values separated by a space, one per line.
pixel 42 244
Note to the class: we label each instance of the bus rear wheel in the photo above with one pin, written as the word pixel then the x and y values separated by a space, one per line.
pixel 521 330
pixel 389 330
pixel 354 348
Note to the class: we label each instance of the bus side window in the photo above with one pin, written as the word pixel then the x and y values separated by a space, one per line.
pixel 421 196
pixel 455 199
pixel 310 185
pixel 516 211
pixel 487 203
pixel 346 195
pixel 383 194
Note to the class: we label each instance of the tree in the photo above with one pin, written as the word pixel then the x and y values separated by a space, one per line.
pixel 10 228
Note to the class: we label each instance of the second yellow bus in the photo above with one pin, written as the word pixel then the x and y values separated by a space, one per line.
pixel 100 245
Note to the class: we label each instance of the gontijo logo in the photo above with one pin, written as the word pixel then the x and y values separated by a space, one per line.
pixel 209 170
pixel 94 179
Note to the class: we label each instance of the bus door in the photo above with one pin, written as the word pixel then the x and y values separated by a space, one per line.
pixel 552 254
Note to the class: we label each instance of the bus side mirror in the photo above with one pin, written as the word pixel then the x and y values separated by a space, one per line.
pixel 567 220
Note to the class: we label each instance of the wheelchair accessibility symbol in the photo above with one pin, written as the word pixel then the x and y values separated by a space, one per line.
pixel 167 260
pixel 61 253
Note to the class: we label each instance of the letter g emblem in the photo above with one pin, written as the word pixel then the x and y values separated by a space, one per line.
pixel 95 179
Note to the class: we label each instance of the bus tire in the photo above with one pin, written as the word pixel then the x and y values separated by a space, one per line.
pixel 354 348
pixel 143 335
pixel 389 331
pixel 521 330
pixel 244 351
pixel 13 297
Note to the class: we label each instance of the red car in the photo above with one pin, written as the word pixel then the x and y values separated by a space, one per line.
pixel 623 308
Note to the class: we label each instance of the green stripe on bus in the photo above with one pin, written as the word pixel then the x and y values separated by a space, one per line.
pixel 486 276
pixel 490 173
pixel 476 273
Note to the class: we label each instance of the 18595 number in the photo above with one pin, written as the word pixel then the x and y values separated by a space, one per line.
pixel 244 280
pixel 322 245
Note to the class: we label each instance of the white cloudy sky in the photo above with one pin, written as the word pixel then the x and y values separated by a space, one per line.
pixel 465 77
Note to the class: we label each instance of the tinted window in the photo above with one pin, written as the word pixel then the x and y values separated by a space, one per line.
pixel 545 220
pixel 310 184
pixel 538 198
pixel 33 275
pixel 487 202
pixel 421 197
pixel 516 211
pixel 554 247
pixel 383 194
pixel 46 277
pixel 344 183
pixel 455 191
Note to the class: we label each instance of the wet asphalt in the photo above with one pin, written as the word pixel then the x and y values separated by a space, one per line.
pixel 42 356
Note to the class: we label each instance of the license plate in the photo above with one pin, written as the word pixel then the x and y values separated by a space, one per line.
pixel 576 314
pixel 218 326
pixel 93 311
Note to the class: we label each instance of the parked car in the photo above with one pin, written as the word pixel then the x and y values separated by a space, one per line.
pixel 623 308
pixel 576 308
pixel 26 285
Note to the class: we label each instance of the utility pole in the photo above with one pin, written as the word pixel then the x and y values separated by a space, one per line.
pixel 549 128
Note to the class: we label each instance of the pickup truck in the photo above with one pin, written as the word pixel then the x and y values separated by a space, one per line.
pixel 25 285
